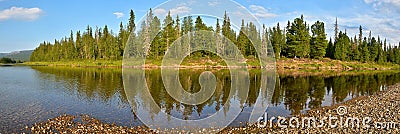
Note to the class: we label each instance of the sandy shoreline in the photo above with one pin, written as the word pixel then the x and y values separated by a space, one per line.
pixel 382 107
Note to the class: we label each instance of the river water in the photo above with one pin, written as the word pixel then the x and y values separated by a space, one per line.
pixel 30 95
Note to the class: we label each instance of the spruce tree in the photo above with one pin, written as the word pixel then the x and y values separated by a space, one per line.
pixel 318 40
pixel 298 38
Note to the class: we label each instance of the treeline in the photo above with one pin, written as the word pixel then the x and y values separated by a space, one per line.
pixel 101 43
pixel 297 40
pixel 6 60
pixel 359 48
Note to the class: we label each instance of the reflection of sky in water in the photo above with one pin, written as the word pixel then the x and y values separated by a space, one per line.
pixel 33 95
pixel 28 96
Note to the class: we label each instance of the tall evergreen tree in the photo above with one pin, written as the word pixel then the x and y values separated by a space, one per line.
pixel 330 49
pixel 131 23
pixel 277 39
pixel 242 40
pixel 318 40
pixel 168 34
pixel 298 38
pixel 342 46
pixel 365 51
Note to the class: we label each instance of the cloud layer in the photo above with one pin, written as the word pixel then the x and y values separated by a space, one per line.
pixel 21 13
pixel 261 12
pixel 174 11
pixel 119 14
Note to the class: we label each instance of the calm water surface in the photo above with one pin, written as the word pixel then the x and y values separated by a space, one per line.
pixel 33 94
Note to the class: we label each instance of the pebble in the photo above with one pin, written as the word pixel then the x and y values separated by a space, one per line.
pixel 82 124
pixel 381 107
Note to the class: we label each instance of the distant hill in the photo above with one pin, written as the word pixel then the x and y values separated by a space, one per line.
pixel 3 54
pixel 18 55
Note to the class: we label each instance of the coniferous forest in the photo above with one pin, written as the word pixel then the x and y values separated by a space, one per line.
pixel 298 39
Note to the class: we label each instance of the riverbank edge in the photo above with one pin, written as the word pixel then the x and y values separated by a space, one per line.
pixel 72 123
pixel 282 64
pixel 381 106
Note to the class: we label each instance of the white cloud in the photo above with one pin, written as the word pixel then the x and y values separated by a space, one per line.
pixel 261 12
pixel 119 14
pixel 21 13
pixel 180 10
pixel 160 11
pixel 386 6
pixel 385 27
pixel 174 11
pixel 383 20
pixel 213 3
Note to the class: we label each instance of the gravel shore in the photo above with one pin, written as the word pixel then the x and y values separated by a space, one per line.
pixel 82 124
pixel 379 113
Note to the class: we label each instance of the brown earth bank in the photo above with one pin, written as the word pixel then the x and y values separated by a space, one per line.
pixel 329 64
pixel 378 113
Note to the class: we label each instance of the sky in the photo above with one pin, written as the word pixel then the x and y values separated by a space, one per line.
pixel 26 23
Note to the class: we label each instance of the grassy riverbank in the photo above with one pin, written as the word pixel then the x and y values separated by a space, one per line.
pixel 79 63
pixel 282 64
pixel 329 64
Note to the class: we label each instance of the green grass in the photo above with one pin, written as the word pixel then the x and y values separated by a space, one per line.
pixel 302 64
pixel 80 63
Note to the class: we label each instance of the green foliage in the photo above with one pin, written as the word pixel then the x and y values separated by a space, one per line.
pixel 102 44
pixel 18 56
pixel 277 39
pixel 330 49
pixel 242 39
pixel 318 40
pixel 7 60
pixel 365 52
pixel 342 45
pixel 296 40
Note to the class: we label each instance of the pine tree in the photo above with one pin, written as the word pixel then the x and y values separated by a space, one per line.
pixel 365 51
pixel 318 40
pixel 187 29
pixel 79 45
pixel 297 42
pixel 298 38
pixel 226 32
pixel 381 55
pixel 277 39
pixel 342 47
pixel 177 35
pixel 218 37
pixel 242 40
pixel 336 30
pixel 360 36
pixel 355 50
pixel 131 24
pixel 373 49
pixel 168 34
pixel 330 49
pixel 199 39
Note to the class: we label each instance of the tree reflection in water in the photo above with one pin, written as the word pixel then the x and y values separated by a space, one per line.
pixel 296 93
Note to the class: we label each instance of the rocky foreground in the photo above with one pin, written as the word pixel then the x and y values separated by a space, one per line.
pixel 82 124
pixel 379 113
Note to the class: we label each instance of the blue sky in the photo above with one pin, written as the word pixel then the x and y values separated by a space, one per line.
pixel 26 23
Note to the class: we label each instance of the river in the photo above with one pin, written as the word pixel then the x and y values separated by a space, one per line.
pixel 34 94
